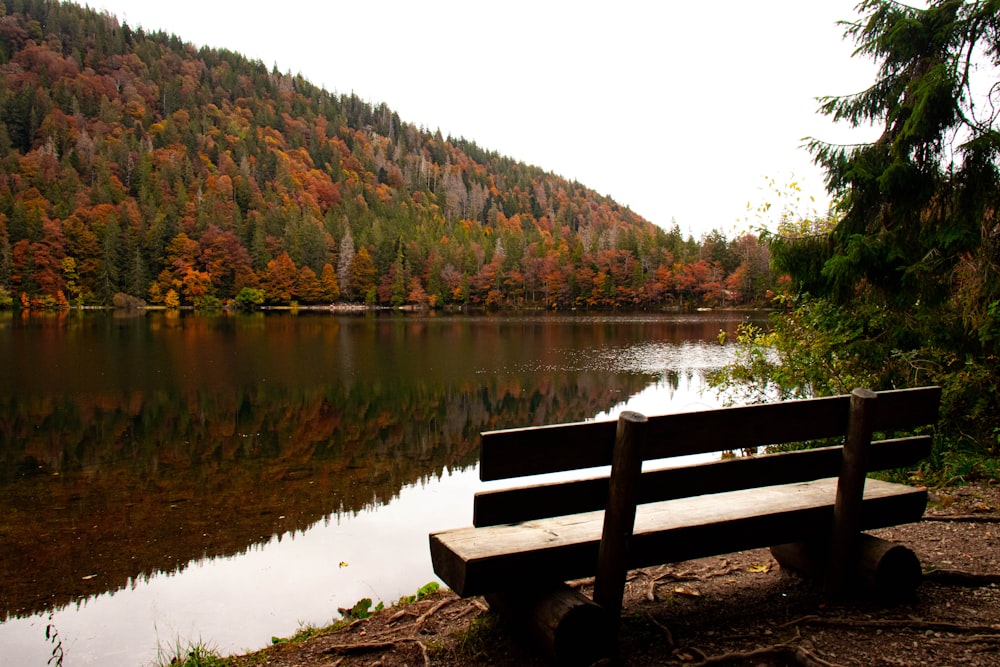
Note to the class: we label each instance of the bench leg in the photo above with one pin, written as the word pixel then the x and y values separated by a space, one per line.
pixel 619 516
pixel 850 492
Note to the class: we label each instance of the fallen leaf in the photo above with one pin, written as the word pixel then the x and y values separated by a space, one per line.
pixel 759 568
pixel 684 590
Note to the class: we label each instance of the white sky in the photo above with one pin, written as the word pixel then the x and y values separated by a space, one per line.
pixel 677 110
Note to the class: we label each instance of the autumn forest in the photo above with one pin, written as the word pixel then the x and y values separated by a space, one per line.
pixel 137 169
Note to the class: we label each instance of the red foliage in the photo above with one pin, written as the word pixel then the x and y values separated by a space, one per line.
pixel 189 168
pixel 281 280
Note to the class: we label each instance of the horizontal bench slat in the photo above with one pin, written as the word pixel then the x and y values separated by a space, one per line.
pixel 525 503
pixel 545 449
pixel 475 561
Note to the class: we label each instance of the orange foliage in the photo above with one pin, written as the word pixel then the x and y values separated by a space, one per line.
pixel 203 161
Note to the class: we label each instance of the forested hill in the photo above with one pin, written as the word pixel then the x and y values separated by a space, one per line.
pixel 135 164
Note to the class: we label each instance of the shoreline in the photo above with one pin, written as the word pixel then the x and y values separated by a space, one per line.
pixel 717 610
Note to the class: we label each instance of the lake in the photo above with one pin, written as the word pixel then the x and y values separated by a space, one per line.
pixel 167 478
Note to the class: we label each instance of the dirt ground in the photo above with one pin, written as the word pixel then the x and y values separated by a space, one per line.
pixel 738 609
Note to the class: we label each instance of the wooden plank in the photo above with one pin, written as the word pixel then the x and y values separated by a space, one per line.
pixel 520 452
pixel 540 501
pixel 905 409
pixel 619 515
pixel 532 451
pixel 474 561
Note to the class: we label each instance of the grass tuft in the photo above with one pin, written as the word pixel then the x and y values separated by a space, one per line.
pixel 477 642
pixel 190 655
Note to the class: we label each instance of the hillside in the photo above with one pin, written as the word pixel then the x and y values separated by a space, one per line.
pixel 132 163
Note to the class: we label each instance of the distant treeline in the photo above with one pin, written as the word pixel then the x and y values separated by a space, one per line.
pixel 134 166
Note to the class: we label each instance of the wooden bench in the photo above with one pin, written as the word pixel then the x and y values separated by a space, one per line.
pixel 537 535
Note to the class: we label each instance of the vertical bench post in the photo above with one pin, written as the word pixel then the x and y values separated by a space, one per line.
pixel 850 492
pixel 619 515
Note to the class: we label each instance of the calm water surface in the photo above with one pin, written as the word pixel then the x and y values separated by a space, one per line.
pixel 166 479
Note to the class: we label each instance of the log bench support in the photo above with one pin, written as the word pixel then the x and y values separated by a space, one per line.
pixel 888 570
pixel 809 506
pixel 568 626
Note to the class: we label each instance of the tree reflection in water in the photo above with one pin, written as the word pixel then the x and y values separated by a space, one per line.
pixel 136 446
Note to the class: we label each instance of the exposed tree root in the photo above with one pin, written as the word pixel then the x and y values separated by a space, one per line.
pixel 962 578
pixel 665 574
pixel 802 654
pixel 668 635
pixel 377 647
pixel 909 624
pixel 361 648
pixel 971 639
pixel 433 610
pixel 372 647
pixel 419 621
pixel 365 647
pixel 964 518
pixel 475 605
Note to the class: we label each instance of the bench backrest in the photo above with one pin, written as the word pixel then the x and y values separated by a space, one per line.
pixel 565 447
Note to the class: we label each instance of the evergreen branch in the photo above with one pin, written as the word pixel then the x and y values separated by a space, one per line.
pixel 863 106
pixel 813 141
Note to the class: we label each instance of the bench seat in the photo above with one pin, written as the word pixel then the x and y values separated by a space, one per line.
pixel 477 561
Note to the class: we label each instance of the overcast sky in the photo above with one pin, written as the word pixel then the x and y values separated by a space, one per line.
pixel 680 111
